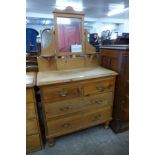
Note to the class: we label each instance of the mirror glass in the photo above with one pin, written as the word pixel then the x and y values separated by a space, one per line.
pixel 46 38
pixel 69 34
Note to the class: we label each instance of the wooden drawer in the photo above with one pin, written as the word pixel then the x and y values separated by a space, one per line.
pixel 74 105
pixel 30 111
pixel 30 95
pixel 53 94
pixel 77 122
pixel 33 142
pixel 31 126
pixel 99 86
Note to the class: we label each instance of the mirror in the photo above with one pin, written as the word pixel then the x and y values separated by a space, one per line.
pixel 46 38
pixel 69 34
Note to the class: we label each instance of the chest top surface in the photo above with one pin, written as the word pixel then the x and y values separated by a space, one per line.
pixel 30 79
pixel 53 77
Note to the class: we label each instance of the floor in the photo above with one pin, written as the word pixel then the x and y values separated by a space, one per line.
pixel 92 141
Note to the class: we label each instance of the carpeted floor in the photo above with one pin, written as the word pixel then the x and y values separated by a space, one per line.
pixel 92 141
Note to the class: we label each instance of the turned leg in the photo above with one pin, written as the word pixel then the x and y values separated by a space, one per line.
pixel 51 142
pixel 106 126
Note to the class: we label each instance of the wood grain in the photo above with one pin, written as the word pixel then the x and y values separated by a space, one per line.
pixel 74 123
pixel 117 59
pixel 33 135
pixel 33 142
pixel 68 107
pixel 52 77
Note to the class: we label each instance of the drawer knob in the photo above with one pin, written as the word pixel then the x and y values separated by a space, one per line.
pixel 66 125
pixel 64 108
pixel 100 88
pixel 63 93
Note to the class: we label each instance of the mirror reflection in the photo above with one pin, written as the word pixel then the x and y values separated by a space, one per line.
pixel 46 38
pixel 69 34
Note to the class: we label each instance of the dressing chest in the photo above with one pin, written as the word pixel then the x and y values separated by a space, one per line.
pixel 76 93
pixel 76 99
pixel 33 135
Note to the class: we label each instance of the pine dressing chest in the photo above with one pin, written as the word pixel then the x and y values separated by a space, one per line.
pixel 33 136
pixel 76 99
pixel 76 93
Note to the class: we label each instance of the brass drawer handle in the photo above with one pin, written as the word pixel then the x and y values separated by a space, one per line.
pixel 64 108
pixel 63 93
pixel 100 88
pixel 97 117
pixel 66 125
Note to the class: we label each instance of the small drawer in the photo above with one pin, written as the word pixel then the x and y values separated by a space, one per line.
pixel 75 105
pixel 31 126
pixel 53 94
pixel 99 86
pixel 30 111
pixel 62 126
pixel 30 95
pixel 33 142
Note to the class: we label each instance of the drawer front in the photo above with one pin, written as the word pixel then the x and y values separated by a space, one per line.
pixel 74 123
pixel 30 95
pixel 75 105
pixel 30 111
pixel 100 86
pixel 31 126
pixel 53 94
pixel 33 142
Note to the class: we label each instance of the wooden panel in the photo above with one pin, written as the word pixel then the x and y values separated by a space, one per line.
pixel 99 86
pixel 125 108
pixel 52 94
pixel 119 61
pixel 31 126
pixel 29 95
pixel 74 105
pixel 30 111
pixel 111 53
pixel 52 64
pixel 33 142
pixel 110 59
pixel 46 64
pixel 70 124
pixel 91 61
pixel 70 63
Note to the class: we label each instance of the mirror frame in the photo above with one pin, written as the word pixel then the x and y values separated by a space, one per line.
pixel 68 13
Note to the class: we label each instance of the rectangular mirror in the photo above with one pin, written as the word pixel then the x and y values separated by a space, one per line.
pixel 69 34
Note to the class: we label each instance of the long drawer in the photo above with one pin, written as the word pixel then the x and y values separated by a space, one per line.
pixel 30 111
pixel 81 121
pixel 98 86
pixel 31 126
pixel 59 93
pixel 74 105
pixel 33 142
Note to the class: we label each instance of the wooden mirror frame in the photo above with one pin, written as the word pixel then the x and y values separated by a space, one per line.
pixel 68 13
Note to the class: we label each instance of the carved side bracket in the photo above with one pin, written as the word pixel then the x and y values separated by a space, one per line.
pixel 89 49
